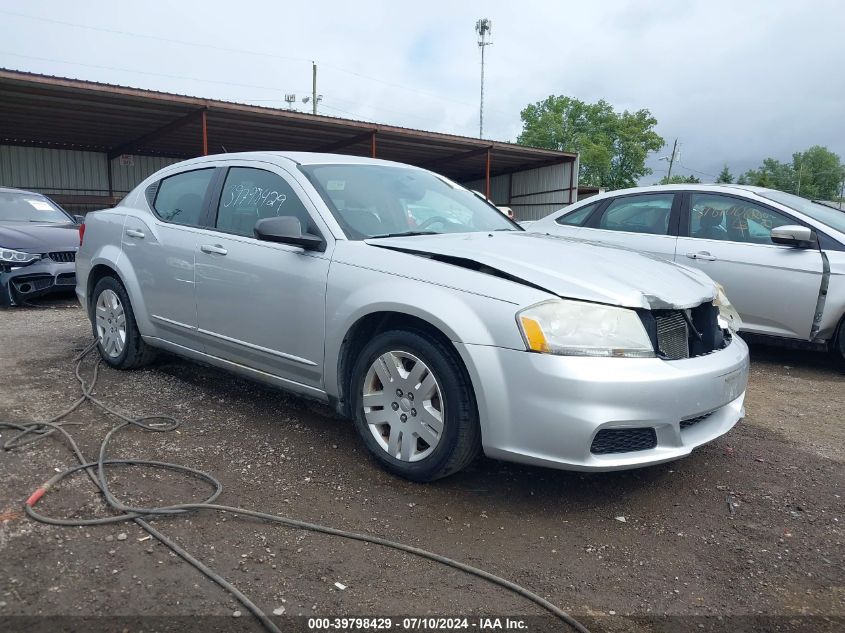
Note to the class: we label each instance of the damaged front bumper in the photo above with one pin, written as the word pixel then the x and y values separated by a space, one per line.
pixel 597 414
pixel 20 284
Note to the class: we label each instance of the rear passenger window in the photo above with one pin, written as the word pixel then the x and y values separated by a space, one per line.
pixel 179 198
pixel 577 217
pixel 639 214
pixel 251 194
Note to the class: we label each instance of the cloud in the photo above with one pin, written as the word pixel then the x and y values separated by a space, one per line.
pixel 735 82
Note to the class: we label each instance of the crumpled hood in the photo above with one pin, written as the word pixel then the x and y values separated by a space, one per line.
pixel 570 268
pixel 39 238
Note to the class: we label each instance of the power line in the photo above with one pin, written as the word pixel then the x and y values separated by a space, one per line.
pixel 140 72
pixel 226 49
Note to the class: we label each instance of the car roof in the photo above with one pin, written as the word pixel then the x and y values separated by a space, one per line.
pixel 14 190
pixel 300 158
pixel 723 187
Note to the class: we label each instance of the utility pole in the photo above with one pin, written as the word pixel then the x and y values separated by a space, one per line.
pixel 484 28
pixel 672 159
pixel 314 85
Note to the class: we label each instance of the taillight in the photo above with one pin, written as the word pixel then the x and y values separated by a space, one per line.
pixel 81 233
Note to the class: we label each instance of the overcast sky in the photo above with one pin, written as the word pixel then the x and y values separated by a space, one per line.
pixel 734 81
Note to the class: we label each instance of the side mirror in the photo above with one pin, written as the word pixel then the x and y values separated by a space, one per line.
pixel 793 235
pixel 79 219
pixel 287 230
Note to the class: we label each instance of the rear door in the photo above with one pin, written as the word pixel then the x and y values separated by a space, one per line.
pixel 644 222
pixel 262 304
pixel 161 251
pixel 774 288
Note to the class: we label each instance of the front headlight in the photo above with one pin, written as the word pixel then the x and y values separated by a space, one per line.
pixel 576 328
pixel 9 256
pixel 728 316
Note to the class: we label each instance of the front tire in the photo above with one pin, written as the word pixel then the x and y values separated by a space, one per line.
pixel 414 406
pixel 118 338
pixel 838 348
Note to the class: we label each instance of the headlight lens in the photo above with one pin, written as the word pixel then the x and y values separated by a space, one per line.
pixel 9 256
pixel 728 316
pixel 576 328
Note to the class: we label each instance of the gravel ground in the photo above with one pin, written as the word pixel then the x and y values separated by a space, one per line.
pixel 747 533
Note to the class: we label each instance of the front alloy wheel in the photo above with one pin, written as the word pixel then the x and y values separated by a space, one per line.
pixel 403 406
pixel 414 405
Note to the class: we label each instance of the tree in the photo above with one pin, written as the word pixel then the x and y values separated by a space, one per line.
pixel 818 173
pixel 815 173
pixel 725 176
pixel 679 179
pixel 612 146
pixel 773 174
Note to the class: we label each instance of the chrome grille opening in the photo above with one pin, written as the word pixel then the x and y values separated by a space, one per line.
pixel 623 441
pixel 672 335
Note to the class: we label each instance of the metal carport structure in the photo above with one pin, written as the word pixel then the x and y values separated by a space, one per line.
pixel 86 144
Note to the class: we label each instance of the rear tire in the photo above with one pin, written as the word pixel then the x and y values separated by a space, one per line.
pixel 423 425
pixel 113 321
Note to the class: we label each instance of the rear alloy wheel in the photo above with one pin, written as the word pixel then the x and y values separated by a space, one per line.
pixel 414 406
pixel 110 323
pixel 118 338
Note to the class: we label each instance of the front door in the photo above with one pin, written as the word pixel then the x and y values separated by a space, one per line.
pixel 262 304
pixel 774 288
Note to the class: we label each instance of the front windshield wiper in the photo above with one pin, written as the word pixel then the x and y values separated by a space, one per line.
pixel 404 234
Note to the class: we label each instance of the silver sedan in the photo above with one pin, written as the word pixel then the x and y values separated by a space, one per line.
pixel 416 309
pixel 781 258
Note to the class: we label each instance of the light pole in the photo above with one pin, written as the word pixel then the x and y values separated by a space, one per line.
pixel 484 28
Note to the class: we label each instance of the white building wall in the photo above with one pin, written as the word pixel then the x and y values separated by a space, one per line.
pixel 62 171
pixel 533 193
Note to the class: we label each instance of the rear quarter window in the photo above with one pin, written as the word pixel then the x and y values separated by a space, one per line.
pixel 578 216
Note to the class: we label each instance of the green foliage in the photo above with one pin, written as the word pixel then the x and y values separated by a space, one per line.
pixel 725 176
pixel 612 146
pixel 679 179
pixel 820 173
pixel 815 173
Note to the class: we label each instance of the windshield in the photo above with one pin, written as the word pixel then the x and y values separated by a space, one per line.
pixel 383 200
pixel 19 206
pixel 827 215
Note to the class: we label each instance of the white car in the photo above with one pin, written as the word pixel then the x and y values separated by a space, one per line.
pixel 780 258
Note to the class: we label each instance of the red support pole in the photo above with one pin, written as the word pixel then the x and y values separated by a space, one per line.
pixel 373 144
pixel 204 121
pixel 487 177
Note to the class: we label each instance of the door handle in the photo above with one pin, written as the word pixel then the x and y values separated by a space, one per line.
pixel 213 248
pixel 135 233
pixel 702 255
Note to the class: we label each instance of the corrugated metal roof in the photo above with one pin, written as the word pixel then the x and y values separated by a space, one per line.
pixel 50 111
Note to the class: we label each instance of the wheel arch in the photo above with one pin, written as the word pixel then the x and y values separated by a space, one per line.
pixel 364 329
pixel 117 267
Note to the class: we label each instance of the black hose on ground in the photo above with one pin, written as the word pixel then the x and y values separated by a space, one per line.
pixel 96 471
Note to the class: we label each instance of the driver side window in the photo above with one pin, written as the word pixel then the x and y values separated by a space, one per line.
pixel 252 194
